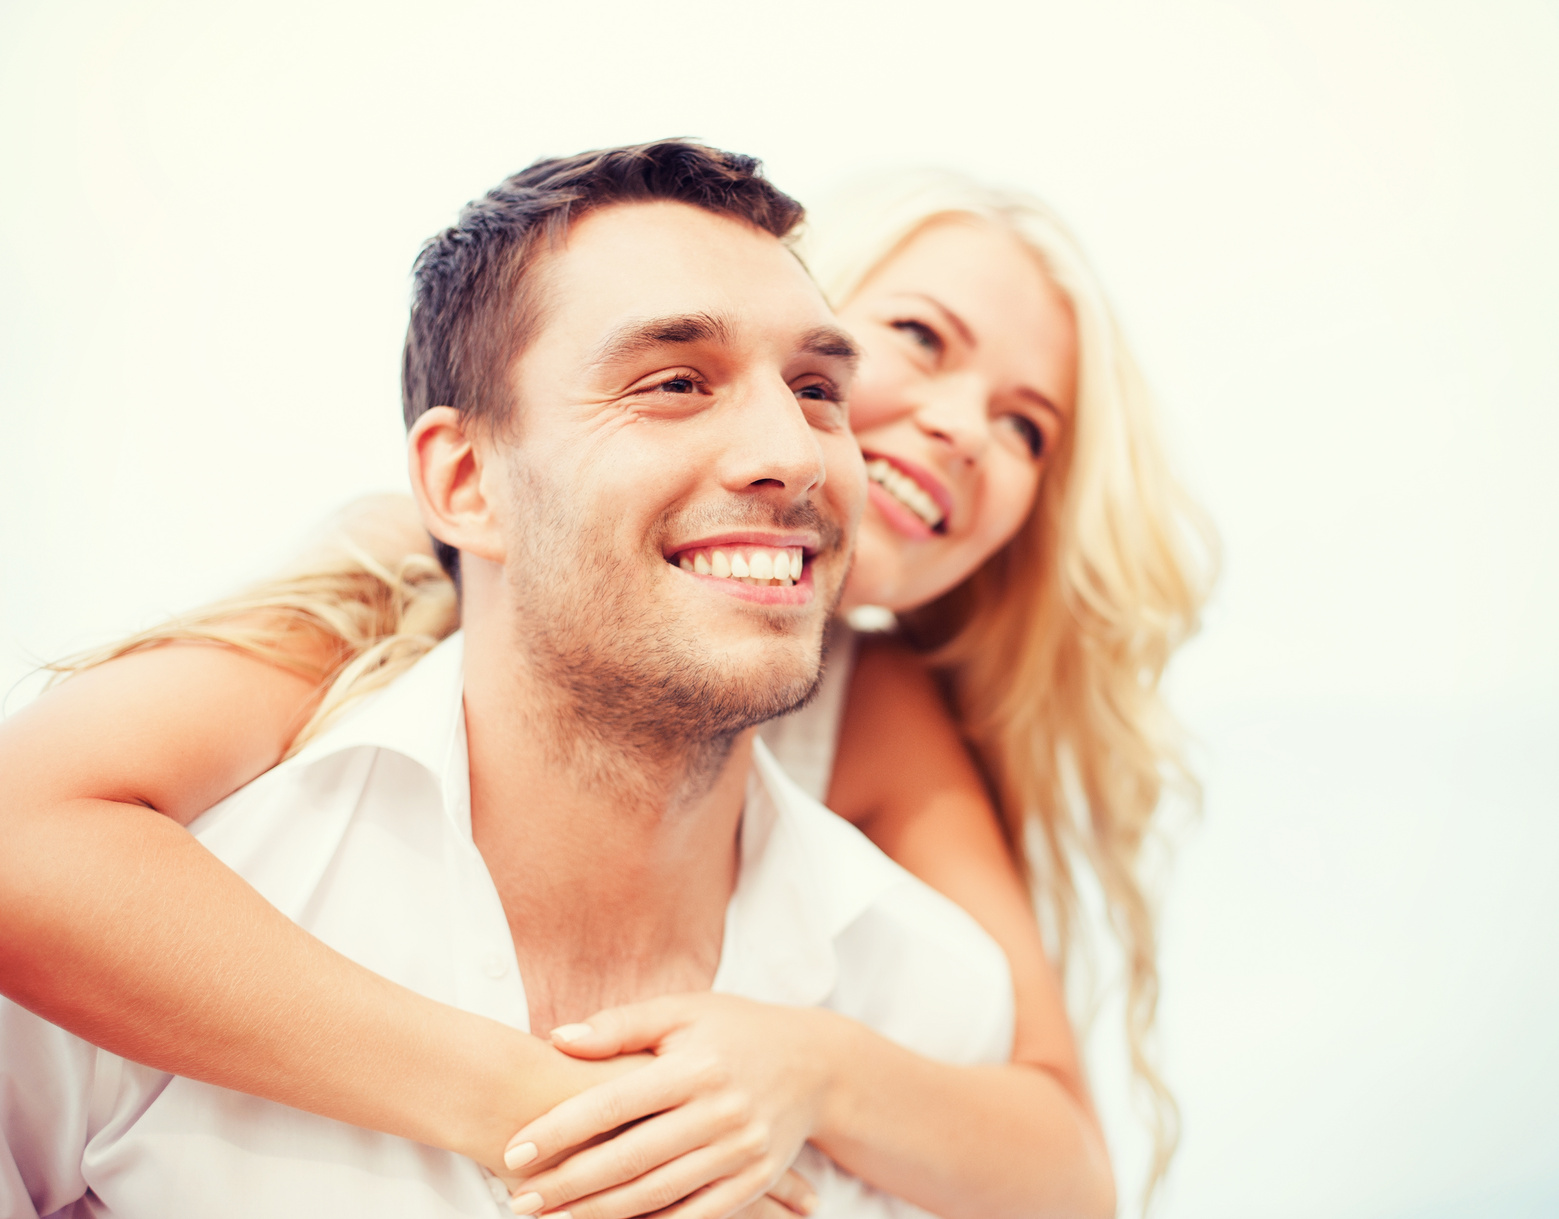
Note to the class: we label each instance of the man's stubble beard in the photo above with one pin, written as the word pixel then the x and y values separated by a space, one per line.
pixel 629 683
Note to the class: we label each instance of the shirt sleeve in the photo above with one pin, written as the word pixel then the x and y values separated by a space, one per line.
pixel 45 1094
pixel 920 971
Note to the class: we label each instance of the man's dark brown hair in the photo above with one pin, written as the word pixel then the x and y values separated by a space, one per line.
pixel 470 316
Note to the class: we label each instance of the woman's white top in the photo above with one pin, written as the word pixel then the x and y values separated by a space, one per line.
pixel 805 742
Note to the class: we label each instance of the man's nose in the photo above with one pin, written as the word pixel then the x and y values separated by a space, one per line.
pixel 774 447
pixel 955 412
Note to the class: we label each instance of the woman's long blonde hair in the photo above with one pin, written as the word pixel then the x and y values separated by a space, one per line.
pixel 355 611
pixel 1052 651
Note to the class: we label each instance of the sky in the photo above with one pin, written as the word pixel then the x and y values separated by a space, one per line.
pixel 1328 229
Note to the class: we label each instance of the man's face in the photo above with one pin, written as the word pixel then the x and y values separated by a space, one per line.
pixel 680 415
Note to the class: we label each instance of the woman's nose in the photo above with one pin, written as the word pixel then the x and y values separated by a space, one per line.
pixel 955 414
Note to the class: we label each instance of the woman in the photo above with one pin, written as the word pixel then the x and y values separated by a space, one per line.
pixel 1024 529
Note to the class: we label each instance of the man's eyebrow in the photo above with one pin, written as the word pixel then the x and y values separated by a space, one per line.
pixel 635 338
pixel 832 342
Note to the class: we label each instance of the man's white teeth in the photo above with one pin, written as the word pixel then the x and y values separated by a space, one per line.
pixel 906 490
pixel 754 564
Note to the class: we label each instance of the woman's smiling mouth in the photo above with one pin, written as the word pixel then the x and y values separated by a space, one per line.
pixel 907 490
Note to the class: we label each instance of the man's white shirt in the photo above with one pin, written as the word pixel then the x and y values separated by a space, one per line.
pixel 364 839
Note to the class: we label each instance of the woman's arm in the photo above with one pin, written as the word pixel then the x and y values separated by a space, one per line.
pixel 122 928
pixel 978 1142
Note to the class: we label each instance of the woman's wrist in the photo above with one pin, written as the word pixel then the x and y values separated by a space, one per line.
pixel 480 1081
pixel 506 1080
pixel 833 1042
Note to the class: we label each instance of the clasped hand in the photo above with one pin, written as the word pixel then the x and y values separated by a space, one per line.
pixel 708 1129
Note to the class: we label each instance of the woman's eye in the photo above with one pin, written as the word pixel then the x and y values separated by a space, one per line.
pixel 921 334
pixel 819 392
pixel 1027 431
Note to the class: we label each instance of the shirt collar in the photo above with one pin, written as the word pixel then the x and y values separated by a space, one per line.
pixel 806 875
pixel 421 715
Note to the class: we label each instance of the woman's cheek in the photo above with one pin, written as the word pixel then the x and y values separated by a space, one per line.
pixel 877 574
pixel 867 412
pixel 879 396
pixel 1009 496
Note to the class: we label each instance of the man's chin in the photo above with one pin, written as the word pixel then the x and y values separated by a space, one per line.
pixel 757 681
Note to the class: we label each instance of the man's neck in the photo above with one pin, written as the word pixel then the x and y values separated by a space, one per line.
pixel 614 860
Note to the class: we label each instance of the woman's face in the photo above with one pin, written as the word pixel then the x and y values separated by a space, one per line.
pixel 969 377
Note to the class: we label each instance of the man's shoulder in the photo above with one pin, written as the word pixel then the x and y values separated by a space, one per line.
pixel 905 960
pixel 396 759
pixel 417 714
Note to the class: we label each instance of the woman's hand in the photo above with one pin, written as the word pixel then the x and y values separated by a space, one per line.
pixel 712 1124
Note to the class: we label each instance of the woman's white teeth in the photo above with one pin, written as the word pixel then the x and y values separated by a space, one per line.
pixel 906 490
pixel 753 564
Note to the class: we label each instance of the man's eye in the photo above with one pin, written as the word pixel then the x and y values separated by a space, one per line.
pixel 677 385
pixel 921 334
pixel 1027 431
pixel 820 392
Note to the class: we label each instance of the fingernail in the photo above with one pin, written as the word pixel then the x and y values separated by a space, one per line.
pixel 571 1032
pixel 809 1204
pixel 519 1155
pixel 525 1204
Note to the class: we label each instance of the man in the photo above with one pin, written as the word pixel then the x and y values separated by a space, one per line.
pixel 614 370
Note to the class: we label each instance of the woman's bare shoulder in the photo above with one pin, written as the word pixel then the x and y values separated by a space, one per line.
pixel 897 734
pixel 886 666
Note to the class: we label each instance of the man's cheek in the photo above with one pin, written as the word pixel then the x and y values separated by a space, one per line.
pixel 846 480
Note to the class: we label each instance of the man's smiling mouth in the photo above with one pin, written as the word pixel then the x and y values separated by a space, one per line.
pixel 764 566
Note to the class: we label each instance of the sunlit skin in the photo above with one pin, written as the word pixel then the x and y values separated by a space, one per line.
pixel 968 380
pixel 688 390
pixel 730 434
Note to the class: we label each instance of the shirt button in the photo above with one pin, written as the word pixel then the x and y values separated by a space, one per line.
pixel 495 966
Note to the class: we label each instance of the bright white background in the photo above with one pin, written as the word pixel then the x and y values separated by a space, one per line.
pixel 1333 232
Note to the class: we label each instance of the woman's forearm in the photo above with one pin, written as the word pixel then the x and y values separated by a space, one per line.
pixel 123 929
pixel 977 1142
pixel 119 926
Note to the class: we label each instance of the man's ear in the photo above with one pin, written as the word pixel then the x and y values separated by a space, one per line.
pixel 446 479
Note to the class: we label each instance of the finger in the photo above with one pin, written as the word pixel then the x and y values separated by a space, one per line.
pixel 723 1197
pixel 641 1149
pixel 622 1030
pixel 655 1190
pixel 598 1110
pixel 766 1208
pixel 794 1192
